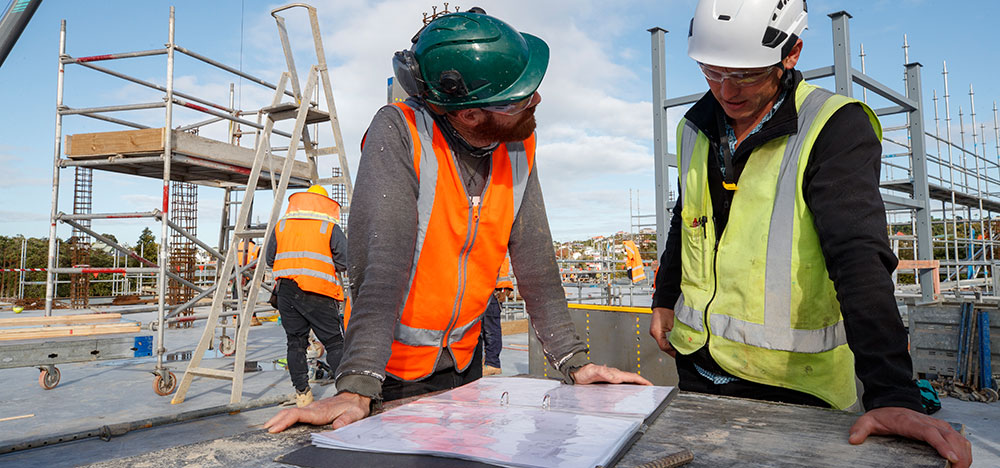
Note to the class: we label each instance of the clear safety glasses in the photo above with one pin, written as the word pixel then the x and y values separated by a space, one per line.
pixel 741 78
pixel 513 108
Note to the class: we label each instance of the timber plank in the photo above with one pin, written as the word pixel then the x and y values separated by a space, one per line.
pixel 148 140
pixel 196 159
pixel 59 320
pixel 74 330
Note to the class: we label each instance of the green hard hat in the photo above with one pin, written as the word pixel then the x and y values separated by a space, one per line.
pixel 475 60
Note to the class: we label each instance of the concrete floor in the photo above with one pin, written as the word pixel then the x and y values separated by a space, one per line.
pixel 109 392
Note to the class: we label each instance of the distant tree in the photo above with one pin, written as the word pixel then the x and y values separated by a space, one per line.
pixel 147 245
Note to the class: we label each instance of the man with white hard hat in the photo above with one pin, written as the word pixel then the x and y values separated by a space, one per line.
pixel 775 280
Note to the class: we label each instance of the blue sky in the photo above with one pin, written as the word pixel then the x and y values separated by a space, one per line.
pixel 595 120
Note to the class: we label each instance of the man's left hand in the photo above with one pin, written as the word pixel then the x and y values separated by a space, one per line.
pixel 593 373
pixel 913 425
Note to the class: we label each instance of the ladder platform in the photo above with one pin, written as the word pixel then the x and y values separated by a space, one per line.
pixel 288 110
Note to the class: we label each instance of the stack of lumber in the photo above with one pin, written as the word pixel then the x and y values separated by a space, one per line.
pixel 26 328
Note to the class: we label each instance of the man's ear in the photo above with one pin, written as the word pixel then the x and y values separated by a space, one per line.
pixel 793 56
pixel 468 118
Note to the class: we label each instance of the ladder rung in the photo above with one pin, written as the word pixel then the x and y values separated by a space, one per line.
pixel 332 180
pixel 287 110
pixel 207 372
pixel 327 150
pixel 250 233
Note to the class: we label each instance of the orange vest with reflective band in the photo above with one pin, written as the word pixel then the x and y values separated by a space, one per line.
pixel 246 252
pixel 503 278
pixel 633 261
pixel 461 244
pixel 303 250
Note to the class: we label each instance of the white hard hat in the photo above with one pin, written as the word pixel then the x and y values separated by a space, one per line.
pixel 745 33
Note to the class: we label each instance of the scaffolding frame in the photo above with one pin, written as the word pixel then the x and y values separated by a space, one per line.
pixel 161 166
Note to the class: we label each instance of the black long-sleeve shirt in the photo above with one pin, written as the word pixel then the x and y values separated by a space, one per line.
pixel 841 189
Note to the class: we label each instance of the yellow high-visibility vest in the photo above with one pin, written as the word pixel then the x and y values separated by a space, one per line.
pixel 762 289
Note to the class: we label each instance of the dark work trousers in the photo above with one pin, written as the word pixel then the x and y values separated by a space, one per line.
pixel 492 335
pixel 692 381
pixel 394 389
pixel 301 311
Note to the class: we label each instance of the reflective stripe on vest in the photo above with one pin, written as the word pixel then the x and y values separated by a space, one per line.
pixel 504 279
pixel 688 315
pixel 447 291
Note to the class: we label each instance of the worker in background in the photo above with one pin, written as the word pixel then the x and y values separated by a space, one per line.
pixel 306 251
pixel 492 332
pixel 246 252
pixel 446 185
pixel 775 279
pixel 633 262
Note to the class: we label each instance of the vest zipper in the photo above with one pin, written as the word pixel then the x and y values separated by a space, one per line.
pixel 715 280
pixel 463 267
pixel 463 264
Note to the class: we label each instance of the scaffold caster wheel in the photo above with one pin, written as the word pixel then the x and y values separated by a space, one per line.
pixel 164 387
pixel 227 346
pixel 48 378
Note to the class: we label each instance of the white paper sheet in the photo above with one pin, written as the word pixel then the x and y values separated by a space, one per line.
pixel 584 426
pixel 508 436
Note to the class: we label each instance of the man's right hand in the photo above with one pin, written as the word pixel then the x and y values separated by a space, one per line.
pixel 340 410
pixel 660 323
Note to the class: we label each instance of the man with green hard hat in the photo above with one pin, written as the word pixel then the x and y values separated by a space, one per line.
pixel 447 184
pixel 775 282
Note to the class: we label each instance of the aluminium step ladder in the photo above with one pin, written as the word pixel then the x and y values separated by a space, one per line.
pixel 305 113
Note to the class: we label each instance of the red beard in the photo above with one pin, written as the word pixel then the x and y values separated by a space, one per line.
pixel 491 129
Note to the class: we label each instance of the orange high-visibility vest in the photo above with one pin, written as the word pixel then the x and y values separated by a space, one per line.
pixel 303 250
pixel 633 261
pixel 503 278
pixel 461 244
pixel 246 252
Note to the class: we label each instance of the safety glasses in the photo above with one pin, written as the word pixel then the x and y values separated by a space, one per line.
pixel 513 108
pixel 741 78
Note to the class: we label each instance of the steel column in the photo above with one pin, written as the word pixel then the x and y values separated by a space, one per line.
pixel 921 191
pixel 661 158
pixel 842 70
